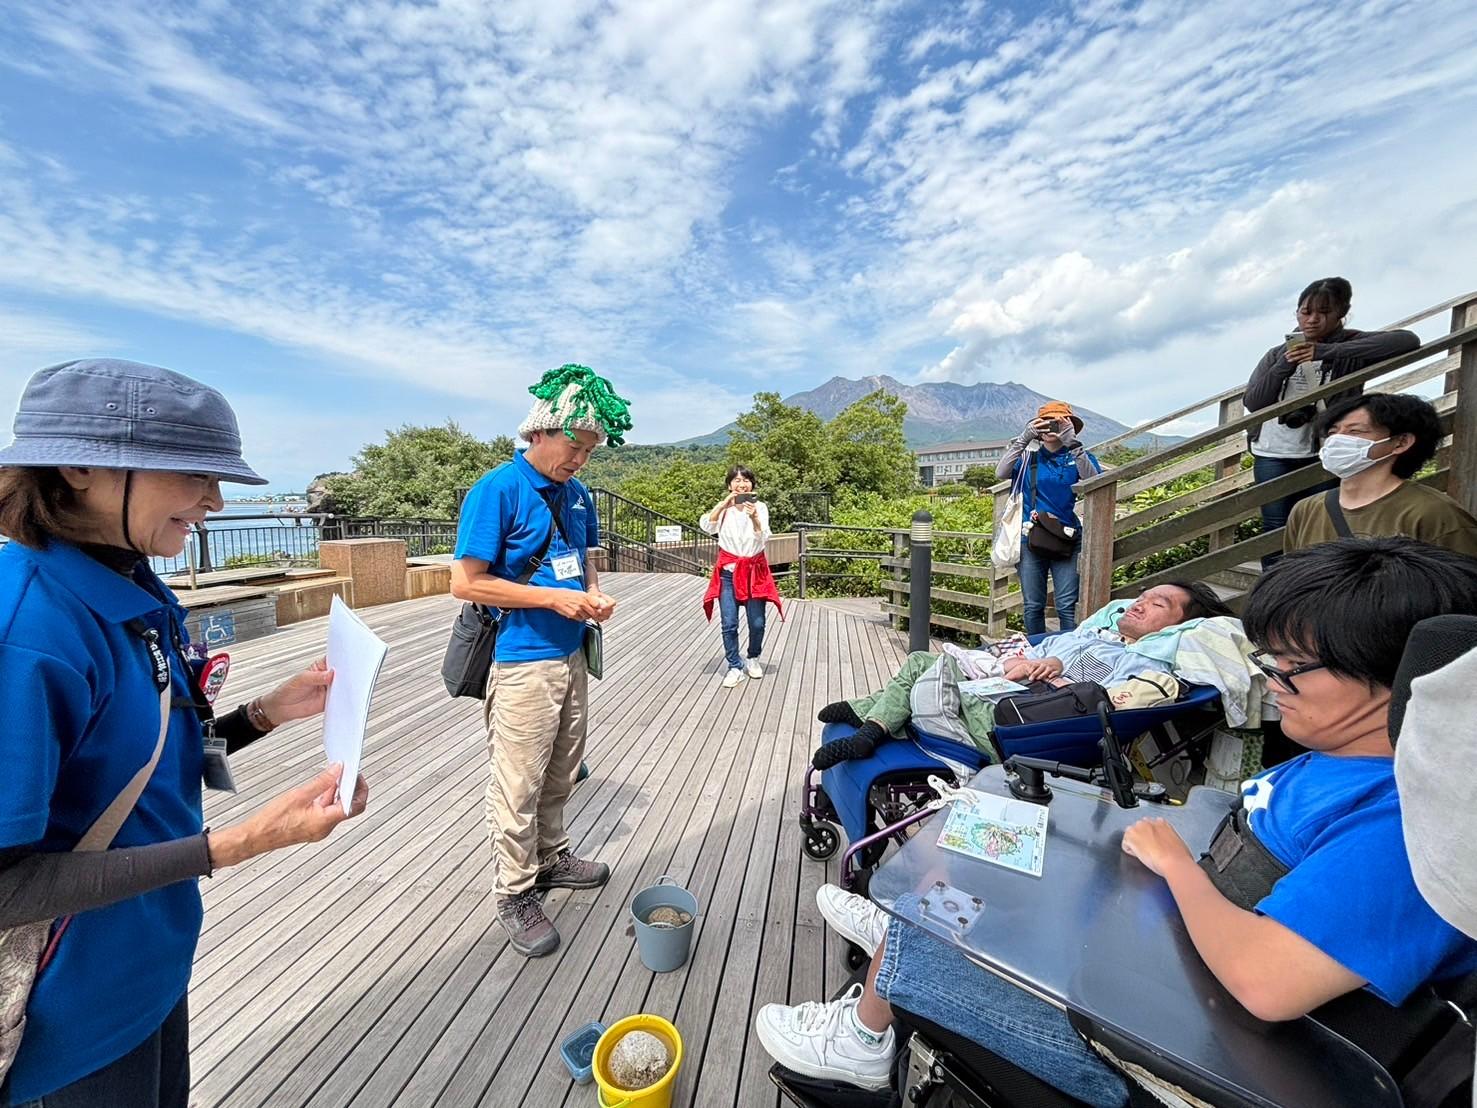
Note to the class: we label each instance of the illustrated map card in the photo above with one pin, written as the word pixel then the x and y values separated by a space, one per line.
pixel 991 687
pixel 998 829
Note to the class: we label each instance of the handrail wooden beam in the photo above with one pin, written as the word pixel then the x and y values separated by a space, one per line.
pixel 1141 466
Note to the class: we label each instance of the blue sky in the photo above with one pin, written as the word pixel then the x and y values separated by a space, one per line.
pixel 350 214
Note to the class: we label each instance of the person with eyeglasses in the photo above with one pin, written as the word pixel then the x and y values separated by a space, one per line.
pixel 1306 896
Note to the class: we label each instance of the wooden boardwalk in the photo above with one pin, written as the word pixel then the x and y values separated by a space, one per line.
pixel 370 969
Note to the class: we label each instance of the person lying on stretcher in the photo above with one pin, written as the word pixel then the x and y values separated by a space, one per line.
pixel 1113 646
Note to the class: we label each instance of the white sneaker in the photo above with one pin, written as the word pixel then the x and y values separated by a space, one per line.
pixel 733 677
pixel 821 1040
pixel 853 917
pixel 754 669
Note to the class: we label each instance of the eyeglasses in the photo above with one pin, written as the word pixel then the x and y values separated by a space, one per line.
pixel 1265 661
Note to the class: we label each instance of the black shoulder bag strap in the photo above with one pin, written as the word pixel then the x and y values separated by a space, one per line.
pixel 1336 514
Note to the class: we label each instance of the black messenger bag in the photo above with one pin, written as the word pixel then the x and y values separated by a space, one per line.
pixel 1081 698
pixel 468 658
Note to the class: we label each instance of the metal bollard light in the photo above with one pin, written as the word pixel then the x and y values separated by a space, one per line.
pixel 920 579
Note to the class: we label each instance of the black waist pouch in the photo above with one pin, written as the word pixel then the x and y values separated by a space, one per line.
pixel 1081 698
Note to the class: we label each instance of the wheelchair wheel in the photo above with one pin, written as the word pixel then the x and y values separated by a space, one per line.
pixel 822 840
pixel 856 957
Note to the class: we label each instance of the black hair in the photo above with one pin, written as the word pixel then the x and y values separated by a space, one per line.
pixel 1203 603
pixel 740 471
pixel 1332 294
pixel 1399 415
pixel 1352 604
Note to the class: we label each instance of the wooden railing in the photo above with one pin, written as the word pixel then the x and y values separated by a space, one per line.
pixel 1118 533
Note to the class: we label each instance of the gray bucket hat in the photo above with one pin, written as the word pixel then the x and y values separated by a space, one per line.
pixel 126 415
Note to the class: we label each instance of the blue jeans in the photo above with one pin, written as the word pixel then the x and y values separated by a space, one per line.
pixel 922 975
pixel 154 1074
pixel 1274 514
pixel 1033 571
pixel 728 607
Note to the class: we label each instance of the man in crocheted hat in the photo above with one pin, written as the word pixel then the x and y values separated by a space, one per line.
pixel 521 547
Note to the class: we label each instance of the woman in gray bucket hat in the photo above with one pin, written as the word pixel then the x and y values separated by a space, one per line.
pixel 108 736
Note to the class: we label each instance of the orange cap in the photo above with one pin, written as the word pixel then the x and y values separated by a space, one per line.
pixel 1056 409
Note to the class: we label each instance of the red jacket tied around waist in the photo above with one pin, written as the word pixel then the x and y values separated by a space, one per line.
pixel 751 581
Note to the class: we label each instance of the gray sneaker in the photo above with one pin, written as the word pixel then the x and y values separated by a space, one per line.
pixel 530 932
pixel 569 872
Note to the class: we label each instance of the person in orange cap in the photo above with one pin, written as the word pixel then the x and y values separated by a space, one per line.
pixel 1049 460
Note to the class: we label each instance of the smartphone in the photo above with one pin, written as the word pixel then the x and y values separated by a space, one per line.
pixel 744 498
pixel 1296 338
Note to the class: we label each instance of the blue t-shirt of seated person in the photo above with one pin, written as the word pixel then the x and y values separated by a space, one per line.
pixel 505 518
pixel 1335 822
pixel 82 717
pixel 1056 473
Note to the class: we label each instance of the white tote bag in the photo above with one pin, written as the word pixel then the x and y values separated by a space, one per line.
pixel 1005 552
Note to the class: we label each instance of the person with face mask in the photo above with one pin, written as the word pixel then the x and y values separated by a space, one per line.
pixel 1374 445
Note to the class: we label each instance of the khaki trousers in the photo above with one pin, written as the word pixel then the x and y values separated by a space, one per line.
pixel 535 714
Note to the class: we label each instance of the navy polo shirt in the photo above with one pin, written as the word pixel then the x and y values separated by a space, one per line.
pixel 1056 473
pixel 504 520
pixel 82 717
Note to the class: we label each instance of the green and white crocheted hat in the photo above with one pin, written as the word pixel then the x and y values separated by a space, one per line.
pixel 575 398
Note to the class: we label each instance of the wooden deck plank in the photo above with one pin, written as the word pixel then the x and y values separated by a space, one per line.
pixel 370 970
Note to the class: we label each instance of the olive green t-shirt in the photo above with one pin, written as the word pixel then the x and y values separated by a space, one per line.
pixel 1412 511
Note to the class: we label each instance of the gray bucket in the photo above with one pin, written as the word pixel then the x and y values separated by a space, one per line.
pixel 663 947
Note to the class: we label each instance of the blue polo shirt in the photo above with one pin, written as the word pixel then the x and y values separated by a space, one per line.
pixel 1056 473
pixel 82 717
pixel 1335 822
pixel 504 520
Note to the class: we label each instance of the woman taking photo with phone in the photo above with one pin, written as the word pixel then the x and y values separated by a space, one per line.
pixel 1321 350
pixel 1049 460
pixel 741 576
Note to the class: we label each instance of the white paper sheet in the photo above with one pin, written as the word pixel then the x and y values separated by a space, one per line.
pixel 355 654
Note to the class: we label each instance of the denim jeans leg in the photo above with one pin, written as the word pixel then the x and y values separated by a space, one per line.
pixel 928 978
pixel 728 615
pixel 1066 582
pixel 1032 572
pixel 754 611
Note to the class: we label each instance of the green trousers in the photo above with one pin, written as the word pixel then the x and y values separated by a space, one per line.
pixel 892 707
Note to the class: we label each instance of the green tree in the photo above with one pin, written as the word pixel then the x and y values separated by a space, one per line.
pixel 979 477
pixel 867 447
pixel 682 488
pixel 415 472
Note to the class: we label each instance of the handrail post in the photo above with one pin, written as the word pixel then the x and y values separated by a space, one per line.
pixel 1231 409
pixel 920 580
pixel 800 557
pixel 1095 558
pixel 899 552
pixel 203 546
pixel 1461 482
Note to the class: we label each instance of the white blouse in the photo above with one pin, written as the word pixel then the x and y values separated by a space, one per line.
pixel 736 532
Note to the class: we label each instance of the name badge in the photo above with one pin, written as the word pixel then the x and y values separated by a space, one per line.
pixel 566 567
pixel 217 773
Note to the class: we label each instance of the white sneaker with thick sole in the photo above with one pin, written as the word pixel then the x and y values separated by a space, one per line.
pixel 754 669
pixel 853 917
pixel 820 1040
pixel 732 678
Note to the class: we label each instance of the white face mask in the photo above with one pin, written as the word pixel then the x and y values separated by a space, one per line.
pixel 1345 455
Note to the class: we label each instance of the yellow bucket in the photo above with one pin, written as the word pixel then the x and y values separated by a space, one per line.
pixel 611 1095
